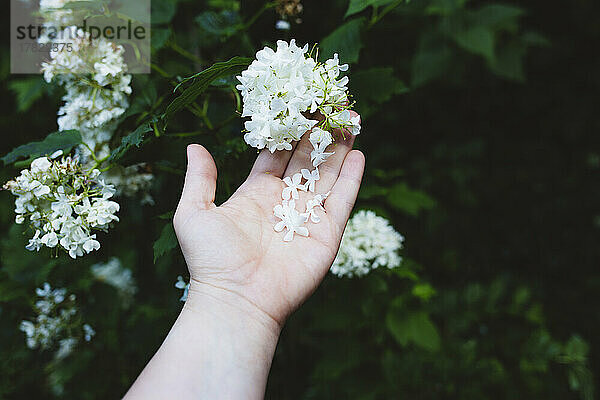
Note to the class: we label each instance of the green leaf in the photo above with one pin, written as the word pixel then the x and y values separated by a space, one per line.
pixel 429 64
pixel 424 291
pixel 225 23
pixel 414 328
pixel 444 7
pixel 576 349
pixel 477 40
pixel 345 40
pixel 508 62
pixel 166 242
pixel 87 5
pixel 28 91
pixel 375 86
pixel 159 38
pixel 134 10
pixel 163 11
pixel 135 138
pixel 498 16
pixel 535 39
pixel 203 79
pixel 64 141
pixel 356 6
pixel 408 200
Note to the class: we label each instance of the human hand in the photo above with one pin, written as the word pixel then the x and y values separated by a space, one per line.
pixel 245 280
pixel 232 251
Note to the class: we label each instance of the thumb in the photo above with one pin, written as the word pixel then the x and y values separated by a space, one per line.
pixel 200 178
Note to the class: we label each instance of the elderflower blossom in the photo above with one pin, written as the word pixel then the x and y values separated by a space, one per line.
pixel 281 86
pixel 369 242
pixel 56 323
pixel 311 178
pixel 287 93
pixel 291 219
pixel 293 185
pixel 316 203
pixel 64 204
pixel 94 75
pixel 116 275
pixel 130 181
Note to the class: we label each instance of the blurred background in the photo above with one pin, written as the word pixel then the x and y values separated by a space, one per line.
pixel 481 129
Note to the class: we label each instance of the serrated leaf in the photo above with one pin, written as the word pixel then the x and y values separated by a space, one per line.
pixel 203 79
pixel 166 242
pixel 375 86
pixel 409 200
pixel 64 141
pixel 414 328
pixel 345 40
pixel 135 138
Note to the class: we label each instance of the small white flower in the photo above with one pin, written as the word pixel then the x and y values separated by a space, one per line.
pixel 318 136
pixel 318 156
pixel 91 244
pixel 50 239
pixel 35 243
pixel 311 178
pixel 291 220
pixel 355 125
pixel 40 165
pixel 293 185
pixel 316 203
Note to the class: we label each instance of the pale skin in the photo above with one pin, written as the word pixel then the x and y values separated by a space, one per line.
pixel 245 280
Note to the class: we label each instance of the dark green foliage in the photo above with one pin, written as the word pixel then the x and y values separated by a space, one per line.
pixel 480 129
pixel 65 141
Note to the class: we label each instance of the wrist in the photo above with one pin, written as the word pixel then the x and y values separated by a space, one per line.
pixel 229 309
pixel 220 347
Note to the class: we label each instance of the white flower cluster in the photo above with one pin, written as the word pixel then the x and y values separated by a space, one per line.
pixel 131 180
pixel 280 87
pixel 55 15
pixel 94 74
pixel 182 285
pixel 116 275
pixel 286 94
pixel 369 242
pixel 56 322
pixel 64 205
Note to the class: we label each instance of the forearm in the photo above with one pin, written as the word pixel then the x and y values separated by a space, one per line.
pixel 219 347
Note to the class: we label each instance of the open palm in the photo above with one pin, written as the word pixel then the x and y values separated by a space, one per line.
pixel 234 248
